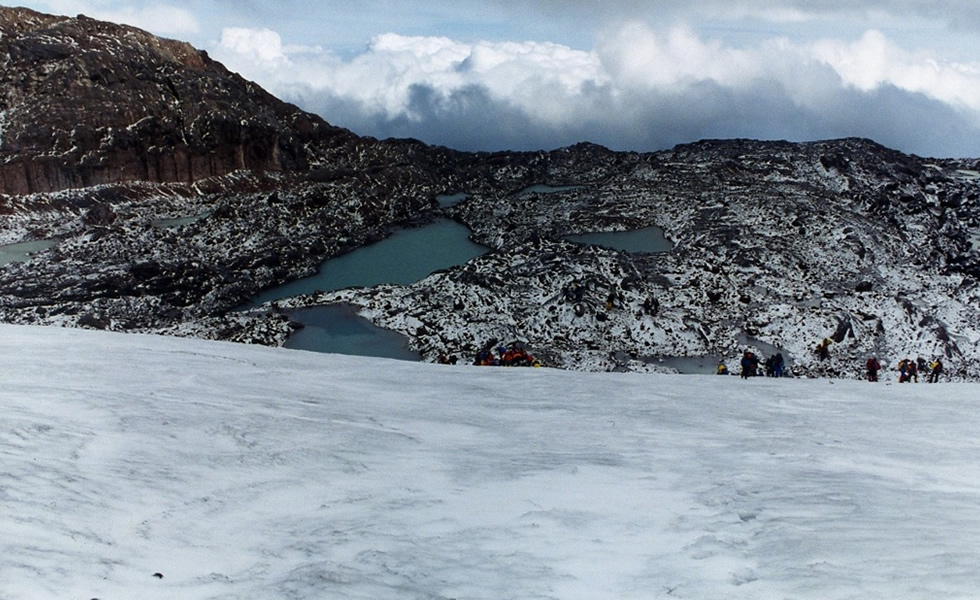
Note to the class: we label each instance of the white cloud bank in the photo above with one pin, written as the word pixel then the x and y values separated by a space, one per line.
pixel 639 88
pixel 160 18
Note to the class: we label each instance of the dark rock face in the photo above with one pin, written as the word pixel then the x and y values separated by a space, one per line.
pixel 87 103
pixel 177 191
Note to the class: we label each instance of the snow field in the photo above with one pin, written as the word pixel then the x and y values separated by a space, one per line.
pixel 252 472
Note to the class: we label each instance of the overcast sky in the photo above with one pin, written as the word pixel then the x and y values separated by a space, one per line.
pixel 628 74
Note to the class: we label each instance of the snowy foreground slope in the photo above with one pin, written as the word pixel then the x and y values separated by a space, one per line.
pixel 251 472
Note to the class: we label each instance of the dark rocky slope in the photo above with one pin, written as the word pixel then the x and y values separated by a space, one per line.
pixel 105 131
pixel 88 103
pixel 778 244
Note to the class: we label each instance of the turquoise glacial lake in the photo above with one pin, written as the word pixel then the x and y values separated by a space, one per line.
pixel 404 257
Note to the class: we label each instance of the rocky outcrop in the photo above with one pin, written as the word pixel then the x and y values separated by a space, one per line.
pixel 85 103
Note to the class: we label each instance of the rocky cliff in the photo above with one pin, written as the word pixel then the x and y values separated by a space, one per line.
pixel 85 103
pixel 173 191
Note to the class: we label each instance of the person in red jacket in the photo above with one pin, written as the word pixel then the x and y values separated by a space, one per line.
pixel 872 367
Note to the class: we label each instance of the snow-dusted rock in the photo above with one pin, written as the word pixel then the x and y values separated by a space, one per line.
pixel 778 245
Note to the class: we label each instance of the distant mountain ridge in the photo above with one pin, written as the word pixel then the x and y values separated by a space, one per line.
pixel 106 130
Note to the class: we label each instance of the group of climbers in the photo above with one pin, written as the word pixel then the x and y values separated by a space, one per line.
pixel 450 359
pixel 908 369
pixel 510 356
pixel 515 355
pixel 774 366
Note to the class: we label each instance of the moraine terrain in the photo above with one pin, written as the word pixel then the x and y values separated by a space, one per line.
pixel 107 132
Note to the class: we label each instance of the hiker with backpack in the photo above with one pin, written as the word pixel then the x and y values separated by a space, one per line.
pixel 872 366
pixel 749 364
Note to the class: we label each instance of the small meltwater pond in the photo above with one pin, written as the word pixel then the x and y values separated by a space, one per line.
pixel 649 240
pixel 337 329
pixel 406 256
pixel 21 252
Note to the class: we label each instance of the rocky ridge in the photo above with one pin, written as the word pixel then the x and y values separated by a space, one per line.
pixel 778 245
pixel 178 190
